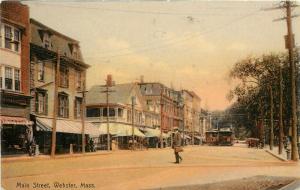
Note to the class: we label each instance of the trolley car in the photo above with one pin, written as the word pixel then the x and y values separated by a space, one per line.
pixel 220 137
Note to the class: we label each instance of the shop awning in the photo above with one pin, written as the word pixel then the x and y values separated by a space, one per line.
pixel 67 126
pixel 198 137
pixel 185 136
pixel 120 130
pixel 152 132
pixel 14 120
pixel 166 135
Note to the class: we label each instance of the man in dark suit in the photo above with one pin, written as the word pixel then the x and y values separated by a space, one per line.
pixel 177 145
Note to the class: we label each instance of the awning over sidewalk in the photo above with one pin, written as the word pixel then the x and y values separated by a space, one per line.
pixel 185 136
pixel 14 120
pixel 67 126
pixel 120 130
pixel 152 132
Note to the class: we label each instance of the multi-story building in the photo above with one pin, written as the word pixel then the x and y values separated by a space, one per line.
pixel 188 111
pixel 51 50
pixel 122 113
pixel 119 105
pixel 163 101
pixel 14 76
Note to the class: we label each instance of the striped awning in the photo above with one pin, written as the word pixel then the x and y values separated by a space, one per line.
pixel 14 120
pixel 67 126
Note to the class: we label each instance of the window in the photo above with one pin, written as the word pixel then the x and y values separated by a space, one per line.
pixel 41 102
pixel 120 112
pixel 128 115
pixel 16 39
pixel 93 112
pixel 77 107
pixel 112 112
pixel 46 40
pixel 12 38
pixel 17 80
pixel 8 37
pixel 41 71
pixel 64 77
pixel 63 102
pixel 8 78
pixel 78 80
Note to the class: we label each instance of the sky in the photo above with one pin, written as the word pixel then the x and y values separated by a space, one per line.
pixel 182 44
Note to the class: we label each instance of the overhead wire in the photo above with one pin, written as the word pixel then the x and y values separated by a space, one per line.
pixel 188 37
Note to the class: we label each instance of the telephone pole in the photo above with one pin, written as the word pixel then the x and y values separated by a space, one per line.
pixel 132 120
pixel 55 104
pixel 109 83
pixel 290 45
pixel 161 117
pixel 83 107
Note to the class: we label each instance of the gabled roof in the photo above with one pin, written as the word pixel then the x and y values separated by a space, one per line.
pixel 121 94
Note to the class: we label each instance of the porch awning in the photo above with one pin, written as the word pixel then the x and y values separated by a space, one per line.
pixel 14 120
pixel 152 132
pixel 67 126
pixel 120 130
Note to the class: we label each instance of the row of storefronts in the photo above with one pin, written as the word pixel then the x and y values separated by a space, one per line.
pixel 40 66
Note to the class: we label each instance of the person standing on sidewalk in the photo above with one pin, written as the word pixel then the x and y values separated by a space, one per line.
pixel 177 145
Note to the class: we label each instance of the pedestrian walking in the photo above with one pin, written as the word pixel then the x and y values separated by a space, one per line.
pixel 177 145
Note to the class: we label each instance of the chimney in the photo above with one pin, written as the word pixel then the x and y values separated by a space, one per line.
pixel 142 79
pixel 109 81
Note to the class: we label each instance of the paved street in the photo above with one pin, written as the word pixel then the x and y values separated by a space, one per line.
pixel 146 169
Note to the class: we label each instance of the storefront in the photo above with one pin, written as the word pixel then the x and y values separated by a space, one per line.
pixel 68 133
pixel 16 134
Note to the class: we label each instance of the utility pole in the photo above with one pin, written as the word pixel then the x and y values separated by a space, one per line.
pixel 280 147
pixel 271 119
pixel 132 119
pixel 161 117
pixel 109 83
pixel 55 105
pixel 290 45
pixel 83 107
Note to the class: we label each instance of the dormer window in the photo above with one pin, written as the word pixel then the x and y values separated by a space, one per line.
pixel 74 49
pixel 46 40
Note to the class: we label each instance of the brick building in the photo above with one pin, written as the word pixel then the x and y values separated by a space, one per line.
pixel 16 129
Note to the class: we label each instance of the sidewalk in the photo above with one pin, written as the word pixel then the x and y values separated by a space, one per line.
pixel 25 157
pixel 275 153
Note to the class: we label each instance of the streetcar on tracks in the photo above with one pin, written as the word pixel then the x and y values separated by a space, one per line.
pixel 221 137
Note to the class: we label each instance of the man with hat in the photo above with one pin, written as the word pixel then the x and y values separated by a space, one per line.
pixel 177 144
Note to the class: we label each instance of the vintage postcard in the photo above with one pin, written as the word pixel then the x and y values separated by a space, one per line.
pixel 150 94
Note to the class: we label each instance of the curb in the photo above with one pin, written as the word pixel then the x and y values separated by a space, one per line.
pixel 292 186
pixel 276 156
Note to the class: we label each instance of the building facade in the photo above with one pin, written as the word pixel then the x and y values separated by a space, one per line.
pixel 53 53
pixel 14 76
pixel 120 106
pixel 165 102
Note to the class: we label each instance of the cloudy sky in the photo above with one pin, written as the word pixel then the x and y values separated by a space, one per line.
pixel 185 44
